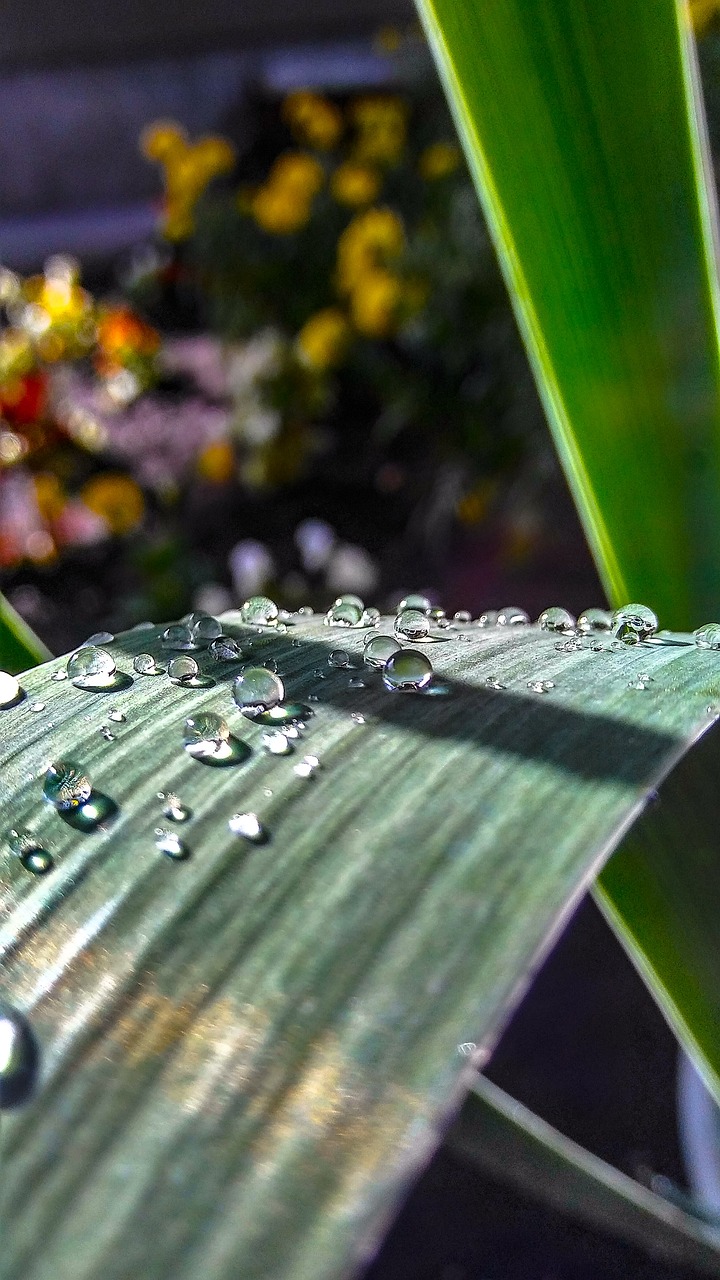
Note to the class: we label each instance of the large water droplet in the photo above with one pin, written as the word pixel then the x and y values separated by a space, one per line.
pixel 708 637
pixel 512 616
pixel 259 611
pixel 556 619
pixel 145 665
pixel 183 668
pixel 414 601
pixel 339 658
pixel 344 615
pixel 173 807
pixel 205 731
pixel 633 623
pixel 225 649
pixel 204 629
pixel 594 620
pixel 258 687
pixel 18 1058
pixel 407 670
pixel 169 843
pixel 349 598
pixel 378 649
pixel 31 854
pixel 178 636
pixel 249 826
pixel 92 668
pixel 412 625
pixel 487 619
pixel 66 787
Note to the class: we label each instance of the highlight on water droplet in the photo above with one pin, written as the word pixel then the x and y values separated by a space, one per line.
pixel 145 665
pixel 407 671
pixel 512 616
pixel 307 767
pixel 557 619
pixel 594 620
pixel 92 668
pixel 462 616
pixel 29 852
pixel 169 843
pixel 19 1058
pixel 10 691
pixel 277 743
pixel 249 826
pixel 257 688
pixel 634 623
pixel 412 625
pixel 708 636
pixel 259 611
pixel 204 629
pixel 284 713
pixel 66 786
pixel 173 807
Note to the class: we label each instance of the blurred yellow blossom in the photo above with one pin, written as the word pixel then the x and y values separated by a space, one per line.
pixel 702 13
pixel 314 120
pixel 161 140
pixel 16 355
pixel 388 39
pixel 283 204
pixel 117 499
pixel 216 462
pixel 297 171
pixel 187 167
pixel 355 184
pixel 381 124
pixel 323 339
pixel 49 495
pixel 367 243
pixel 439 159
pixel 375 304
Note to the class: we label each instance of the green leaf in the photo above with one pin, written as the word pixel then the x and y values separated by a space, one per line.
pixel 500 1136
pixel 246 1056
pixel 582 128
pixel 18 645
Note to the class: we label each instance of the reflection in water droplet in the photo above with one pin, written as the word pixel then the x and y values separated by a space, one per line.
pixel 414 601
pixel 708 637
pixel 487 619
pixel 633 623
pixel 204 629
pixel 32 856
pixel 512 616
pixel 178 636
pixel 307 767
pixel 169 843
pixel 594 620
pixel 173 807
pixel 145 665
pixel 407 670
pixel 66 786
pixel 183 668
pixel 100 637
pixel 259 611
pixel 339 658
pixel 18 1058
pixel 462 616
pixel 249 826
pixel 258 687
pixel 277 744
pixel 92 814
pixel 92 668
pixel 556 619
pixel 411 625
pixel 344 615
pixel 225 649
pixel 10 691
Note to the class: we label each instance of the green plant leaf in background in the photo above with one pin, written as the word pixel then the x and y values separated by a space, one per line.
pixel 246 1056
pixel 582 127
pixel 18 646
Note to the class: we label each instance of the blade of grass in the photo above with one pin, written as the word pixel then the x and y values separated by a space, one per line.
pixel 19 647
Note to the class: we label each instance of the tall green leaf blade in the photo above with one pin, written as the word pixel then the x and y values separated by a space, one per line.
pixel 582 127
pixel 18 645
pixel 246 1056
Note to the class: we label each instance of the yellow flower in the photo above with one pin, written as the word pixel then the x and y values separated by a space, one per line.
pixel 355 184
pixel 117 499
pixel 49 495
pixel 367 243
pixel 381 123
pixel 314 120
pixel 297 171
pixel 187 170
pixel 375 304
pixel 702 13
pixel 279 211
pixel 323 339
pixel 162 139
pixel 216 463
pixel 438 160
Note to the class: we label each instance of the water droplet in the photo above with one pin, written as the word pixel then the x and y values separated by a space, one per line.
pixel 541 686
pixel 259 611
pixel 355 682
pixel 339 658
pixel 594 620
pixel 10 691
pixel 100 637
pixel 492 682
pixel 344 615
pixel 462 616
pixel 205 732
pixel 92 668
pixel 183 668
pixel 556 619
pixel 708 637
pixel 407 670
pixel 358 717
pixel 32 856
pixel 378 649
pixel 282 714
pixel 349 598
pixel 169 843
pixel 277 744
pixel 178 636
pixel 89 816
pixel 414 601
pixel 204 629
pixel 18 1058
pixel 59 675
pixel 487 619
pixel 633 623
pixel 370 617
pixel 143 626
pixel 512 616
pixel 225 649
pixel 637 683
pixel 249 826
pixel 412 625
pixel 117 717
pixel 307 767
pixel 37 706
pixel 258 687
pixel 66 787
pixel 107 733
pixel 436 614
pixel 145 665
pixel 173 807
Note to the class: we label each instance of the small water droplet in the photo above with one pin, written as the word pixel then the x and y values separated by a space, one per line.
pixel 225 649
pixel 462 616
pixel 92 814
pixel 117 717
pixel 541 686
pixel 10 691
pixel 556 619
pixel 487 619
pixel 412 625
pixel 638 683
pixel 344 615
pixel 169 843
pixel 358 717
pixel 258 687
pixel 66 787
pixel 92 668
pixel 414 601
pixel 59 675
pixel 18 1058
pixel 708 636
pixel 205 732
pixel 370 617
pixel 204 629
pixel 107 733
pixel 356 682
pixel 634 623
pixel 178 636
pixel 594 620
pixel 512 616
pixel 436 614
pixel 259 611
pixel 32 856
pixel 145 665
pixel 249 826
pixel 492 682
pixel 100 637
pixel 407 671
pixel 339 658
pixel 143 626
pixel 37 706
pixel 183 669
pixel 173 807
pixel 307 767
pixel 277 744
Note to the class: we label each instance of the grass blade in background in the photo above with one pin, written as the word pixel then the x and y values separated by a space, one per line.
pixel 19 648
pixel 246 1056
pixel 582 127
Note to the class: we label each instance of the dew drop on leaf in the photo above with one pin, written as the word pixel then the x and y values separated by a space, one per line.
pixel 258 687
pixel 594 620
pixel 169 843
pixel 92 668
pixel 32 856
pixel 556 619
pixel 633 623
pixel 259 611
pixel 249 826
pixel 407 671
pixel 412 625
pixel 66 786
pixel 708 637
pixel 183 668
pixel 512 616
pixel 173 807
pixel 339 658
pixel 145 665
